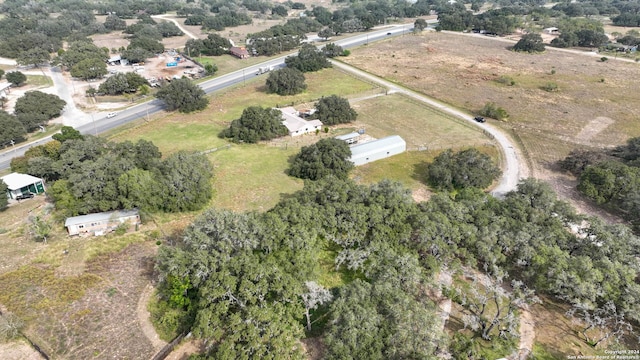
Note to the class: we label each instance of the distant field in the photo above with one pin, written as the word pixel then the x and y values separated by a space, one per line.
pixel 596 105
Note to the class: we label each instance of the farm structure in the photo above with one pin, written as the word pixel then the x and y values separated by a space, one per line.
pixel 239 52
pixel 297 125
pixel 377 149
pixel 19 184
pixel 350 138
pixel 4 88
pixel 101 223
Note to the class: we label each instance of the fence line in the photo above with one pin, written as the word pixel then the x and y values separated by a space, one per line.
pixel 215 149
pixel 167 349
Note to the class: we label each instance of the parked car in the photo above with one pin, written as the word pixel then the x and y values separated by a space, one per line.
pixel 111 114
pixel 479 119
pixel 24 196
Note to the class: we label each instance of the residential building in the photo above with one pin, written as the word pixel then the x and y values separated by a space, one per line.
pixel 101 223
pixel 297 125
pixel 19 184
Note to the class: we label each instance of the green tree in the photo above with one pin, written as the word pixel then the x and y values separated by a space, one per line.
pixel 309 59
pixel 333 110
pixel 327 157
pixel 36 108
pixel 287 81
pixel 136 55
pixel 493 111
pixel 325 33
pixel 210 69
pixel 467 168
pixel 529 43
pixel 113 22
pixel 256 124
pixel 148 44
pixel 279 10
pixel 33 57
pixel 91 68
pixel 78 51
pixel 16 78
pixel 186 184
pixel 122 83
pixel 169 29
pixel 183 95
pixel 11 129
pixel 1 73
pixel 67 133
pixel 419 25
pixel 332 50
pixel 4 201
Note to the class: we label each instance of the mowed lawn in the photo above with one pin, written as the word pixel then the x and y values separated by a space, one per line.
pixel 246 176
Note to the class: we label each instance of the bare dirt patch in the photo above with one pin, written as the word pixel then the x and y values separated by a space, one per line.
pixel 20 350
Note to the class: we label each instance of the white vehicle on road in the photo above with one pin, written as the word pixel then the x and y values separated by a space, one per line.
pixel 111 114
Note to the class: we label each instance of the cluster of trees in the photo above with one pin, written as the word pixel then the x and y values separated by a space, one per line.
pixel 530 43
pixel 122 83
pixel 467 168
pixel 256 124
pixel 327 157
pixel 32 110
pixel 279 38
pixel 334 110
pixel 147 27
pixel 286 81
pixel 247 282
pixel 87 174
pixel 309 59
pixel 457 18
pixel 213 45
pixel 83 59
pixel 183 95
pixel 610 178
pixel 222 20
pixel 580 32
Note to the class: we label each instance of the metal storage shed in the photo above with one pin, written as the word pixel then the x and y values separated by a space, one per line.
pixel 378 149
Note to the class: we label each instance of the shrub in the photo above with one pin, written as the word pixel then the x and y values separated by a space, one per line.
pixel 506 80
pixel 550 87
pixel 493 111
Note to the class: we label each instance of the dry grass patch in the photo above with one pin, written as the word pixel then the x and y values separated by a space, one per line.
pixel 461 70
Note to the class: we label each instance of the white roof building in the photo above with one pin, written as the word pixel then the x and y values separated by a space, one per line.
pixel 18 184
pixel 297 125
pixel 378 149
pixel 101 223
pixel 4 88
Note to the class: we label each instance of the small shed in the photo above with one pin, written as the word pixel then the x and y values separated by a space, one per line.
pixel 297 125
pixel 350 138
pixel 239 52
pixel 19 184
pixel 378 149
pixel 551 30
pixel 114 60
pixel 101 223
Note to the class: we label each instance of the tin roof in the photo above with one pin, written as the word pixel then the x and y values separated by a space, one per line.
pixel 375 146
pixel 103 216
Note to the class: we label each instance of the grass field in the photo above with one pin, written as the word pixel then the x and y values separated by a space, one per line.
pixel 39 81
pixel 594 106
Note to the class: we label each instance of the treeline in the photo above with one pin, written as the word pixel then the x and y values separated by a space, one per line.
pixel 32 110
pixel 87 174
pixel 610 178
pixel 243 281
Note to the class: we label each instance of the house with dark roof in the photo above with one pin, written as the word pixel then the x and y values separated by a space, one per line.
pixel 101 223
pixel 239 52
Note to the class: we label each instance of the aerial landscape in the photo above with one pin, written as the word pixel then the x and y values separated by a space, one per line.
pixel 313 179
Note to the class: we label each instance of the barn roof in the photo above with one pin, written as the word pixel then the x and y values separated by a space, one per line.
pixel 372 147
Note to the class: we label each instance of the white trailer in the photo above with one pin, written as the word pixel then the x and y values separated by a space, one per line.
pixel 264 69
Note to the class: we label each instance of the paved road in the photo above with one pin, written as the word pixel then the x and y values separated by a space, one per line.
pixel 512 171
pixel 98 123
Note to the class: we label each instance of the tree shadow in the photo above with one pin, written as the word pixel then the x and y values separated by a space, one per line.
pixel 420 172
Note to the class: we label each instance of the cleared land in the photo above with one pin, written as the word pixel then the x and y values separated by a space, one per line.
pixel 462 71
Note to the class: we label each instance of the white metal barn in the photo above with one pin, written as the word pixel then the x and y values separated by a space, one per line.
pixel 378 149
